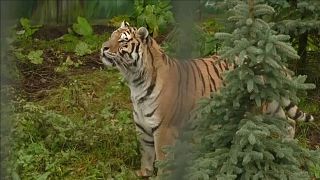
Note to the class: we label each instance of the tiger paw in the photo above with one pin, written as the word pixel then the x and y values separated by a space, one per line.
pixel 144 173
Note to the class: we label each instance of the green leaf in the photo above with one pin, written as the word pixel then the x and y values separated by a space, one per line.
pixel 82 27
pixel 35 57
pixel 25 23
pixel 152 21
pixel 149 9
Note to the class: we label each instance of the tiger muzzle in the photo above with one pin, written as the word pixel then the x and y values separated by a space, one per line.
pixel 107 57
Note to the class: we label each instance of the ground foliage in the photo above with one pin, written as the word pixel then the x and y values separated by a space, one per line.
pixel 71 132
pixel 66 109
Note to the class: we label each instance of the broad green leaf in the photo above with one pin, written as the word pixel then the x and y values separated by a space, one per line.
pixel 82 27
pixel 35 57
pixel 25 23
pixel 149 9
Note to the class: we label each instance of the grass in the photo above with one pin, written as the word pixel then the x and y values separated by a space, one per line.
pixel 308 134
pixel 81 130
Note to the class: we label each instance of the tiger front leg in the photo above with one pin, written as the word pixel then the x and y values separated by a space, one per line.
pixel 147 155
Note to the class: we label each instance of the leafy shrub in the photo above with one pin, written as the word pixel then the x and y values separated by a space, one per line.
pixel 156 15
pixel 27 29
pixel 35 57
pixel 81 39
pixel 82 49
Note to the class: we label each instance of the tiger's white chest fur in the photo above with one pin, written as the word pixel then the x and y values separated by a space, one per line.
pixel 145 111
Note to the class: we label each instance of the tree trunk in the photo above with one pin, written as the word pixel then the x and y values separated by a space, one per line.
pixel 302 52
pixel 57 11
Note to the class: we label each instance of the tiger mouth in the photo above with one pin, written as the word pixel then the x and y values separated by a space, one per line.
pixel 108 58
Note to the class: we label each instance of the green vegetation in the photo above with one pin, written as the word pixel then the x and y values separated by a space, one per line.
pixel 230 137
pixel 82 27
pixel 82 49
pixel 65 66
pixel 77 121
pixel 83 129
pixel 69 117
pixel 155 15
pixel 27 29
pixel 35 57
pixel 299 19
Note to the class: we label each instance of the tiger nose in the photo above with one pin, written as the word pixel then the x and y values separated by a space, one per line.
pixel 103 49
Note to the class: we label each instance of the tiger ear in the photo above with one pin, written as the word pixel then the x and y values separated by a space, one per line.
pixel 124 25
pixel 143 32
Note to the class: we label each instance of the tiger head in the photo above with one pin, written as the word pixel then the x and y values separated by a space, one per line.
pixel 124 48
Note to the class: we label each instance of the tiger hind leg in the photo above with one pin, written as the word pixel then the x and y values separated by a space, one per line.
pixel 274 109
pixel 164 137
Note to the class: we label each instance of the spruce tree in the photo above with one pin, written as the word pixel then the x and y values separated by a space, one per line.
pixel 298 18
pixel 230 137
pixel 301 19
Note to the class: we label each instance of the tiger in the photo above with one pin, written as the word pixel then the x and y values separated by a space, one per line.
pixel 164 90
